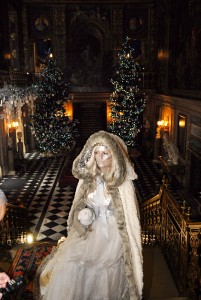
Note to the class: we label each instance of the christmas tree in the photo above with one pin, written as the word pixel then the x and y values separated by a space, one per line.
pixel 127 102
pixel 52 128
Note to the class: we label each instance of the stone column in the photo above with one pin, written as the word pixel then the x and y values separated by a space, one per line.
pixel 20 146
pixel 157 145
pixel 11 168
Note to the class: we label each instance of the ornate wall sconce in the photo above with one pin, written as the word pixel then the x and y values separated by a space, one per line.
pixel 182 122
pixel 163 125
pixel 181 134
pixel 7 56
pixel 13 125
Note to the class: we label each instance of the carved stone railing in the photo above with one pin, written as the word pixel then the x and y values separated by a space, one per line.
pixel 14 227
pixel 167 224
pixel 14 77
pixel 4 78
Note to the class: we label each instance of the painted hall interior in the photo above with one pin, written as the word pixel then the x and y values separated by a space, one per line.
pixel 85 38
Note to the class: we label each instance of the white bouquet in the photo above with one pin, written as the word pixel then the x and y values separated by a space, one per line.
pixel 86 216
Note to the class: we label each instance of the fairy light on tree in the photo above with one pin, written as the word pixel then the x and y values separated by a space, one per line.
pixel 127 101
pixel 52 128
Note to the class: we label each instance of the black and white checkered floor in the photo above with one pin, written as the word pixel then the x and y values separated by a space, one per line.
pixel 49 209
pixel 48 203
pixel 39 191
pixel 149 178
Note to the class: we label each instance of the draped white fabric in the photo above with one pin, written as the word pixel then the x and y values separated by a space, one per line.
pixel 91 268
pixel 100 207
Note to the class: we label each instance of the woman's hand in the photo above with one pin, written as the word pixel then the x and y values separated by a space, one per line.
pixel 4 278
pixel 78 226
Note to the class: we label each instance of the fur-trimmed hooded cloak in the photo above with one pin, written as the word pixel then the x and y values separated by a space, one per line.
pixel 121 188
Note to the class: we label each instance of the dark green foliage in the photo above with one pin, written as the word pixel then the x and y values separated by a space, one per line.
pixel 52 128
pixel 127 102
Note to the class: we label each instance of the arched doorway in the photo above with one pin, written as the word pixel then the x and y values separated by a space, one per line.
pixel 89 55
pixel 92 118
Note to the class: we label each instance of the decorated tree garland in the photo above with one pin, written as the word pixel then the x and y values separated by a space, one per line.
pixel 127 102
pixel 52 127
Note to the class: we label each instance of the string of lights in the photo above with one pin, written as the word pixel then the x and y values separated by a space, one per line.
pixel 127 102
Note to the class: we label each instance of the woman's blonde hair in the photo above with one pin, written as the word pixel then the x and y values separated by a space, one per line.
pixel 3 202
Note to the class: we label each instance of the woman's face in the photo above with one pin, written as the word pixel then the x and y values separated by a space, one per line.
pixel 103 157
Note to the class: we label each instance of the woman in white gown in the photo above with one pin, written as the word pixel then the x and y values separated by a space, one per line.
pixel 3 276
pixel 101 259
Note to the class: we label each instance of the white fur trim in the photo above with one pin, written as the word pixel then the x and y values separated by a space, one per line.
pixel 131 213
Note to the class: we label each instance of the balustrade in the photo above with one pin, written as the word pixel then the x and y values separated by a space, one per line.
pixel 167 224
pixel 14 77
pixel 14 227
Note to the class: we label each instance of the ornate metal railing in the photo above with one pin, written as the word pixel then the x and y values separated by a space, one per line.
pixel 14 227
pixel 151 220
pixel 167 224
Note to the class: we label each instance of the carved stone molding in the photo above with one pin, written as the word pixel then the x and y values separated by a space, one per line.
pixel 117 29
pixel 13 40
pixel 25 40
pixel 60 36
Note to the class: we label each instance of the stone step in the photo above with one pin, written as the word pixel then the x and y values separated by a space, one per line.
pixel 158 282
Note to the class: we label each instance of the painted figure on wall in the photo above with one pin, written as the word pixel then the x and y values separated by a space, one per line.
pixel 136 24
pixel 87 62
pixel 187 39
pixel 89 39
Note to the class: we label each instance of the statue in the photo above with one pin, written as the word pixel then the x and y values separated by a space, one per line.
pixel 10 143
pixel 171 149
pixel 20 145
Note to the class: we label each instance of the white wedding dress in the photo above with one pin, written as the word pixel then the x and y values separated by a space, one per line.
pixel 91 268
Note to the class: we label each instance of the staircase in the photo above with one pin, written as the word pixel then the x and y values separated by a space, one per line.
pixel 158 282
pixel 91 117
